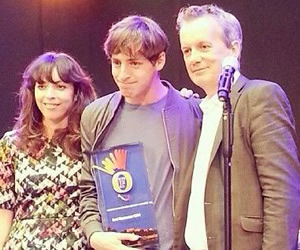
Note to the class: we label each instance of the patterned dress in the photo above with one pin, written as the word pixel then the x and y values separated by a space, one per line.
pixel 44 196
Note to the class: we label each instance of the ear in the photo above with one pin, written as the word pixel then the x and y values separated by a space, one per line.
pixel 161 61
pixel 76 97
pixel 236 49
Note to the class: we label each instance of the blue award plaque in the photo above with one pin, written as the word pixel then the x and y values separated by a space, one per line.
pixel 124 197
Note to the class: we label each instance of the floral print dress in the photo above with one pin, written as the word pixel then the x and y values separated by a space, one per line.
pixel 44 196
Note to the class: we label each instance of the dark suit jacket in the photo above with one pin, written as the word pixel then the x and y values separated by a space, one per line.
pixel 265 174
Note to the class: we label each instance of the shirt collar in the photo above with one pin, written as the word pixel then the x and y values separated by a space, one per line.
pixel 236 75
pixel 207 102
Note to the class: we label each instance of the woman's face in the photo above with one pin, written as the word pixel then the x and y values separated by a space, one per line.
pixel 55 101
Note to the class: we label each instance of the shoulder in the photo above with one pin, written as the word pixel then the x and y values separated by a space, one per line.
pixel 263 90
pixel 175 95
pixel 259 85
pixel 175 99
pixel 97 114
pixel 101 104
pixel 7 147
pixel 264 96
pixel 9 137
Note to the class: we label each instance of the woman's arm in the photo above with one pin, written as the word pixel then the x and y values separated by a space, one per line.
pixel 6 217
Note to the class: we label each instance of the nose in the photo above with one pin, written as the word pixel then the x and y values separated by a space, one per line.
pixel 124 73
pixel 50 91
pixel 196 56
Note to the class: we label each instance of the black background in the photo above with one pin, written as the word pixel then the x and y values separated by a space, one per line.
pixel 271 47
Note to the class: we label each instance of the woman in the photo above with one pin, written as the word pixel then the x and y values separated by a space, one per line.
pixel 40 160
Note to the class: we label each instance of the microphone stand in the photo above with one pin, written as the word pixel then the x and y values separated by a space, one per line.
pixel 227 142
pixel 227 153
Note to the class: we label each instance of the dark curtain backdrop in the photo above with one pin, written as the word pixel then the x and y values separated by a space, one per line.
pixel 271 48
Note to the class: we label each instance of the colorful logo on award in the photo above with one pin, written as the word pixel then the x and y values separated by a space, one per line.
pixel 115 164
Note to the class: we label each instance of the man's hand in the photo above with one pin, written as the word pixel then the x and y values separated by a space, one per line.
pixel 188 93
pixel 111 240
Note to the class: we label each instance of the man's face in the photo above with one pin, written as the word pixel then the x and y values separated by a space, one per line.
pixel 203 47
pixel 135 76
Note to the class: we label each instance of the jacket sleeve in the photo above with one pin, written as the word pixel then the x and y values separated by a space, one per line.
pixel 90 217
pixel 273 140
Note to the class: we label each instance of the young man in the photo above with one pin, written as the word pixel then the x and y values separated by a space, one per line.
pixel 265 166
pixel 145 109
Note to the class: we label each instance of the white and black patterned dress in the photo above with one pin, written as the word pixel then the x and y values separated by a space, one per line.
pixel 44 196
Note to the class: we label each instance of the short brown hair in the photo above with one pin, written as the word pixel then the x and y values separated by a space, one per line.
pixel 136 34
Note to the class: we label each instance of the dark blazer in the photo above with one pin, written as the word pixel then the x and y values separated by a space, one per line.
pixel 265 174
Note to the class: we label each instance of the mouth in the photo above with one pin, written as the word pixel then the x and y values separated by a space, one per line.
pixel 51 105
pixel 127 86
pixel 126 83
pixel 198 70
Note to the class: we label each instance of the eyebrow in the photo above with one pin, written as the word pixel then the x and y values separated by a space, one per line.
pixel 54 82
pixel 129 59
pixel 134 59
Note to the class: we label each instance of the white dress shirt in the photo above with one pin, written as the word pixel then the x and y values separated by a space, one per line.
pixel 195 231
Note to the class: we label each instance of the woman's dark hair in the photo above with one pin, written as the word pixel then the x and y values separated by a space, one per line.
pixel 29 126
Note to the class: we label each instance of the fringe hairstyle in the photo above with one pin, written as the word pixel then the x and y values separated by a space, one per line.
pixel 136 34
pixel 29 127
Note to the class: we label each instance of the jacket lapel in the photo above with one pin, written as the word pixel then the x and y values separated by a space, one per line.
pixel 234 96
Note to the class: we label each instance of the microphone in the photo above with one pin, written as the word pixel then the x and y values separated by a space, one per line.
pixel 229 65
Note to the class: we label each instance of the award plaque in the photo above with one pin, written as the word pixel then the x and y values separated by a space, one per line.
pixel 124 197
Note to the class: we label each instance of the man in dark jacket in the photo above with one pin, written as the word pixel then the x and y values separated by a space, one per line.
pixel 147 110
pixel 265 179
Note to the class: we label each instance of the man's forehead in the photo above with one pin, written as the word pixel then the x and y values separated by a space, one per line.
pixel 128 56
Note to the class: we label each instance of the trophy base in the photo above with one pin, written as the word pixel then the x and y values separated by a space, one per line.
pixel 148 238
